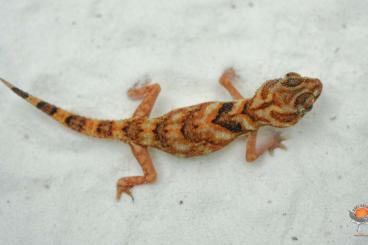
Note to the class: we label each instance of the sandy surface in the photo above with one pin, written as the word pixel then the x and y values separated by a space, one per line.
pixel 57 187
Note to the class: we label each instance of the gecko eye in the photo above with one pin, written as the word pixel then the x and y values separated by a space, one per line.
pixel 292 74
pixel 292 81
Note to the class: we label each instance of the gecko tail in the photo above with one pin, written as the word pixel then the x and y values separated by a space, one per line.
pixel 109 129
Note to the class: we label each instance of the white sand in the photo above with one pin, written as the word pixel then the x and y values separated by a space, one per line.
pixel 57 187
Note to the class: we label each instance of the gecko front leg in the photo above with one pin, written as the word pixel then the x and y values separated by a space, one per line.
pixel 149 173
pixel 226 80
pixel 252 152
pixel 149 93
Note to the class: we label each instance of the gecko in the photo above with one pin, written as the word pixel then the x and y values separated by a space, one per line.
pixel 198 129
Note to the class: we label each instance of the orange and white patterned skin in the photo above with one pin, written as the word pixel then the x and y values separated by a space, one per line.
pixel 199 129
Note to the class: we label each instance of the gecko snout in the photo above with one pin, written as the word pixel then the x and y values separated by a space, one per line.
pixel 318 88
pixel 313 89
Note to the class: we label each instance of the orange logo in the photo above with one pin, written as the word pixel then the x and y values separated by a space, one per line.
pixel 359 216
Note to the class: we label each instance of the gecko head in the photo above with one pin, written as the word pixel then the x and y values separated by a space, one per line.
pixel 283 102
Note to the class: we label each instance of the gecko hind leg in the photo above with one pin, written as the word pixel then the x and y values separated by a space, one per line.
pixel 149 93
pixel 149 173
pixel 252 152
pixel 226 80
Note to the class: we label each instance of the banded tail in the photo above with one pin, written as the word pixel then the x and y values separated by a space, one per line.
pixel 109 129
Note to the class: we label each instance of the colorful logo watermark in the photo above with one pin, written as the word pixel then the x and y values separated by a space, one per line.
pixel 359 216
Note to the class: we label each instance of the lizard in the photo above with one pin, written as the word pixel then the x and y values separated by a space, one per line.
pixel 198 129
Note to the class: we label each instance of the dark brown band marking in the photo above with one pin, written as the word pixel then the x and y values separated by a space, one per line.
pixel 160 133
pixel 104 129
pixel 156 130
pixel 47 108
pixel 188 129
pixel 184 128
pixel 245 108
pixel 226 123
pixel 246 111
pixel 77 123
pixel 263 106
pixel 41 105
pixel 134 128
pixel 125 128
pixel 226 107
pixel 234 127
pixel 260 119
pixel 266 88
pixel 20 92
pixel 283 117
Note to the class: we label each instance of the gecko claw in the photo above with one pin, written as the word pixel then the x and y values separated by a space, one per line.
pixel 282 147
pixel 121 190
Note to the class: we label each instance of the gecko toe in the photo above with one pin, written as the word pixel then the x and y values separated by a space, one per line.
pixel 282 146
pixel 121 190
pixel 139 89
pixel 277 143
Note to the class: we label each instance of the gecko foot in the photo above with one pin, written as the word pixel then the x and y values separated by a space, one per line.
pixel 123 187
pixel 226 80
pixel 139 89
pixel 228 76
pixel 276 142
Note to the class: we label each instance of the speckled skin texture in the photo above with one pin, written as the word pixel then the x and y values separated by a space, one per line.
pixel 199 129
